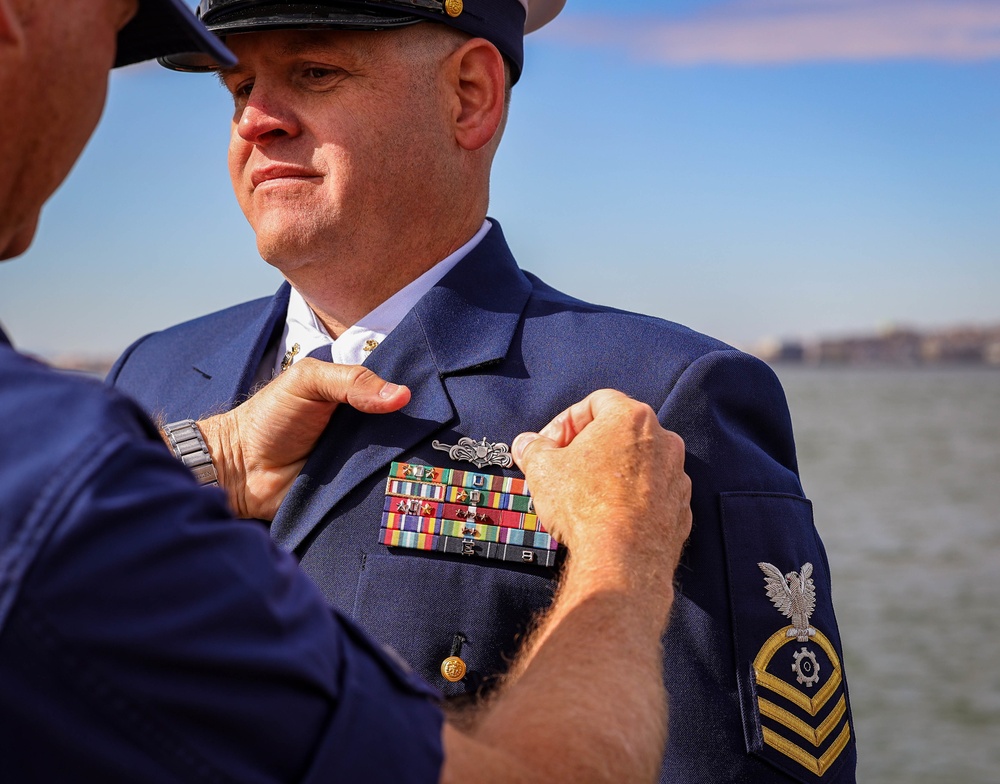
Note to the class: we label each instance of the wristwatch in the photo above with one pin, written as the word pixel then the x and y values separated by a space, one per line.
pixel 189 447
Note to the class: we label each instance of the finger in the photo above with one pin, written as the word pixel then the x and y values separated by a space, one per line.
pixel 355 385
pixel 528 442
pixel 570 423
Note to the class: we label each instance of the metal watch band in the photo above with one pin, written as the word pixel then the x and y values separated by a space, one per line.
pixel 189 447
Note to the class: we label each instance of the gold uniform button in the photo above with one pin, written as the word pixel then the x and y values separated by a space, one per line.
pixel 453 669
pixel 454 7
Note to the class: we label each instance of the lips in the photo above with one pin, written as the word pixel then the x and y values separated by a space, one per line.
pixel 280 172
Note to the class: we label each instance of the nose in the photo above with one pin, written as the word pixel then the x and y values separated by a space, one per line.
pixel 264 120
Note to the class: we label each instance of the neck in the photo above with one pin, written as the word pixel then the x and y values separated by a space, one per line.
pixel 342 289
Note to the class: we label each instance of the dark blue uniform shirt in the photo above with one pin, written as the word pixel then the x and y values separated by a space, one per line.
pixel 145 636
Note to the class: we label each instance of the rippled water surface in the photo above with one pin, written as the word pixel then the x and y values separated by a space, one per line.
pixel 904 469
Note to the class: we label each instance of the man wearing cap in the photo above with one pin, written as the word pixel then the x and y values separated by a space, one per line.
pixel 362 141
pixel 146 636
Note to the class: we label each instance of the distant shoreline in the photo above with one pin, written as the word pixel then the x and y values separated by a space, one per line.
pixel 952 347
pixel 895 347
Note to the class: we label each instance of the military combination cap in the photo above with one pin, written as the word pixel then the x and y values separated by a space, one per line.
pixel 162 28
pixel 503 23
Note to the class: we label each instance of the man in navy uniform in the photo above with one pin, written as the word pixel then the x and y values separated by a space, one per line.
pixel 146 636
pixel 362 140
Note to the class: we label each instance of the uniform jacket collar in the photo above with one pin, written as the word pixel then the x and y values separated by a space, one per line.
pixel 467 321
pixel 231 368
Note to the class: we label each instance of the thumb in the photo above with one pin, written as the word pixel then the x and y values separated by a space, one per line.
pixel 374 395
pixel 528 448
pixel 355 385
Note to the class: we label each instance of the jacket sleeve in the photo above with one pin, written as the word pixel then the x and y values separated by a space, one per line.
pixel 156 639
pixel 730 669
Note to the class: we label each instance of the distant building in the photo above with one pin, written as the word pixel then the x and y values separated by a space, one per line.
pixel 780 350
pixel 892 346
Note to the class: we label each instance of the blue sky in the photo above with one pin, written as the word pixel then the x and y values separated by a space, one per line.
pixel 751 168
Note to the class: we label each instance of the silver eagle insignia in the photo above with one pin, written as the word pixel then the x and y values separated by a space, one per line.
pixel 479 453
pixel 794 595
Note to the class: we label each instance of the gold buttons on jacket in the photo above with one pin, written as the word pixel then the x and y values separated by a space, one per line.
pixel 453 669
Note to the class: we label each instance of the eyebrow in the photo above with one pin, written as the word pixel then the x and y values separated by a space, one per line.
pixel 304 42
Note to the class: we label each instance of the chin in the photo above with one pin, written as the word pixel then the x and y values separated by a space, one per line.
pixel 286 257
pixel 291 241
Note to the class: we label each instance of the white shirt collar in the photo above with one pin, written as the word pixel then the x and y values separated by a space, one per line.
pixel 304 332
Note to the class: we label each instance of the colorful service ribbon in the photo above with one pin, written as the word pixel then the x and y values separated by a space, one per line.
pixel 449 510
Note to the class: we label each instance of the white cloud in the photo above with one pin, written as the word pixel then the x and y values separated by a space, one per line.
pixel 761 32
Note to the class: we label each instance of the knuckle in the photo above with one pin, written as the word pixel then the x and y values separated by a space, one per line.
pixel 608 398
pixel 531 454
pixel 360 376
pixel 674 443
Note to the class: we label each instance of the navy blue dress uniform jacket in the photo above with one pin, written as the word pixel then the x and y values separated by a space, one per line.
pixel 145 636
pixel 489 352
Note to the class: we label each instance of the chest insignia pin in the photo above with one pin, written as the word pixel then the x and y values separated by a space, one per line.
pixel 479 453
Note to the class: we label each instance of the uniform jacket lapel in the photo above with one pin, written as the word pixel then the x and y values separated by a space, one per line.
pixel 230 370
pixel 466 322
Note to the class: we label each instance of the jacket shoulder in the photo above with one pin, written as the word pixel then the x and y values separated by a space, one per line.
pixel 166 372
pixel 618 332
pixel 194 338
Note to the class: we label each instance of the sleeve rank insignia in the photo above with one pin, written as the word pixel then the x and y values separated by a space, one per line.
pixel 447 510
pixel 800 687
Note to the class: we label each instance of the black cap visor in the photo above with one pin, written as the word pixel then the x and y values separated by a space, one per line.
pixel 162 28
pixel 252 17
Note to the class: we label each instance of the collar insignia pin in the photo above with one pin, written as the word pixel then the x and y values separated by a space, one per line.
pixel 289 356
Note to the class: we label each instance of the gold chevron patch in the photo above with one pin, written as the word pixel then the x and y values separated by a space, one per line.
pixel 809 727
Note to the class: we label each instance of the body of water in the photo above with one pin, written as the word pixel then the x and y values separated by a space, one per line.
pixel 903 466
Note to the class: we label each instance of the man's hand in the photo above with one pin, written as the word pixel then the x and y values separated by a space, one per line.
pixel 584 699
pixel 260 447
pixel 608 482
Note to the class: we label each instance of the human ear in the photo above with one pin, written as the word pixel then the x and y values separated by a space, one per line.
pixel 476 80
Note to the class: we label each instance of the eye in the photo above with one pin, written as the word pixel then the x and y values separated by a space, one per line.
pixel 241 92
pixel 320 76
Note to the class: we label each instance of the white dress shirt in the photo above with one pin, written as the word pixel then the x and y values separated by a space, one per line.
pixel 304 332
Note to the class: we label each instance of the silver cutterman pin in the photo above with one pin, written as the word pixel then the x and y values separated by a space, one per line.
pixel 479 453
